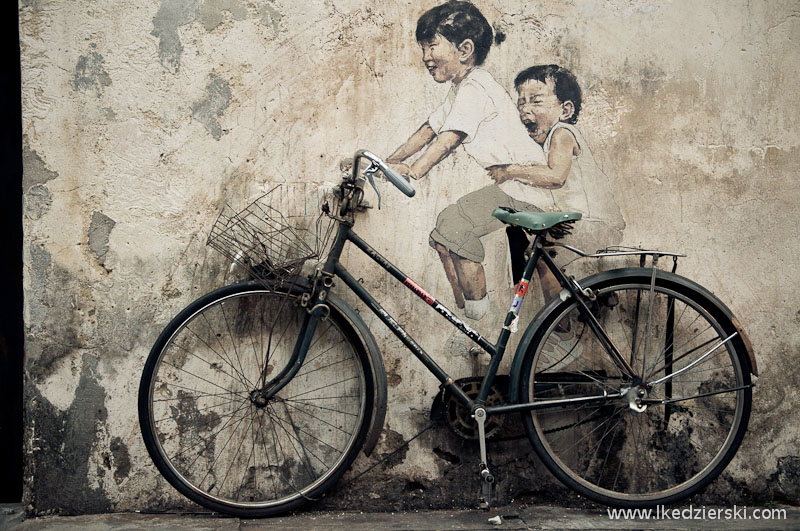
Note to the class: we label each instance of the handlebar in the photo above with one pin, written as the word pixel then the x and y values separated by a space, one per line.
pixel 395 178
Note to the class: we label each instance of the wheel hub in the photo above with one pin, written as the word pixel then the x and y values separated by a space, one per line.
pixel 258 399
pixel 633 396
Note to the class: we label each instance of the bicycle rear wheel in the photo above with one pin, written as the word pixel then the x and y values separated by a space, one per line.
pixel 219 446
pixel 691 376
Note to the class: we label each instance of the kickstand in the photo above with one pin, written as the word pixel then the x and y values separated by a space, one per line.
pixel 487 489
pixel 487 495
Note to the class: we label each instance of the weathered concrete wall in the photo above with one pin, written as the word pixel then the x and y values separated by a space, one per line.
pixel 142 118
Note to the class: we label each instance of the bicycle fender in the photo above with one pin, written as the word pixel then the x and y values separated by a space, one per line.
pixel 376 367
pixel 593 280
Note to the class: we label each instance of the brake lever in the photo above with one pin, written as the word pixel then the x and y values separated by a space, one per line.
pixel 368 173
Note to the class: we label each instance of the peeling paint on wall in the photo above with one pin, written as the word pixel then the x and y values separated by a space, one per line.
pixel 171 15
pixel 37 201
pixel 212 12
pixel 35 171
pixel 90 73
pixel 99 231
pixel 270 16
pixel 213 105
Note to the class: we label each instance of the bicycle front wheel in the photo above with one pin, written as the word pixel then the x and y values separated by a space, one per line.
pixel 683 412
pixel 213 439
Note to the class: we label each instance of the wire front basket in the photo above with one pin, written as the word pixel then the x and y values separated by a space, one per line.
pixel 261 240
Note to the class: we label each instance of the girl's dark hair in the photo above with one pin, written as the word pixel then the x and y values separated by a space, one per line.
pixel 457 21
pixel 566 86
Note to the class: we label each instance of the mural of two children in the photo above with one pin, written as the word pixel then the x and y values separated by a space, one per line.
pixel 534 155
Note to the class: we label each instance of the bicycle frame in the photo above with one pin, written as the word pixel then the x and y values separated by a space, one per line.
pixel 333 267
pixel 616 435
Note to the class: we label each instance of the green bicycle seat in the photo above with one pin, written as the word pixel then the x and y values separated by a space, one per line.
pixel 534 220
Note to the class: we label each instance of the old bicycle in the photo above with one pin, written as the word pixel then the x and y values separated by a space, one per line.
pixel 633 386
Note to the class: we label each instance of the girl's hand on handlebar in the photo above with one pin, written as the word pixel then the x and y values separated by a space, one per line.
pixel 403 169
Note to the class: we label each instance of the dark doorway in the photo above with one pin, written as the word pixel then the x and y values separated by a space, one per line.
pixel 11 326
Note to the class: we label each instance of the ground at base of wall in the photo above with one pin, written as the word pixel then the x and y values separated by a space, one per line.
pixel 512 516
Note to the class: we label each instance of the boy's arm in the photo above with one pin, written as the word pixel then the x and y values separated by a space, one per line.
pixel 415 142
pixel 554 175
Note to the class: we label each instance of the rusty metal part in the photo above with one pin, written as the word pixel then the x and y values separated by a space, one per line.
pixel 459 417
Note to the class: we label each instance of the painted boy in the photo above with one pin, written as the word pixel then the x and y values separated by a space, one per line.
pixel 479 115
pixel 549 103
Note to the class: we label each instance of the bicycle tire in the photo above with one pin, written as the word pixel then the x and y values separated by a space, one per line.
pixel 219 448
pixel 610 451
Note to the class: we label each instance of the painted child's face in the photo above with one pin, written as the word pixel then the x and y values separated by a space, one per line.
pixel 440 57
pixel 539 108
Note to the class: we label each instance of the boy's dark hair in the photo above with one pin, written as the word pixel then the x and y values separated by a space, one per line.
pixel 566 86
pixel 457 21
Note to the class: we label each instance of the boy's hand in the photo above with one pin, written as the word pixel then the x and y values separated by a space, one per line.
pixel 499 174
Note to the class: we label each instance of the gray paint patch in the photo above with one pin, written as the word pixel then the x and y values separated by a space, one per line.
pixel 52 320
pixel 33 5
pixel 40 267
pixel 213 105
pixel 60 446
pixel 99 232
pixel 35 171
pixel 170 16
pixel 90 73
pixel 211 13
pixel 270 15
pixel 37 201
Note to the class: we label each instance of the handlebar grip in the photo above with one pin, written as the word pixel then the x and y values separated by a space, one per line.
pixel 395 178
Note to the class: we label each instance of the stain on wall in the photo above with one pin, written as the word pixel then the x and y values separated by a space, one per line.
pixel 61 445
pixel 121 186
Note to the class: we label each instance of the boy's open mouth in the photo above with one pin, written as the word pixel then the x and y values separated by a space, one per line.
pixel 530 126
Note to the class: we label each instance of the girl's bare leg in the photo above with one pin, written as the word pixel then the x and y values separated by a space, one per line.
pixel 450 273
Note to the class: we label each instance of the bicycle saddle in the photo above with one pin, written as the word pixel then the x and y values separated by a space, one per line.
pixel 533 220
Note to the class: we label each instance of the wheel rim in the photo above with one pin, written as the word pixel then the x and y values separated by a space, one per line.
pixel 226 447
pixel 621 450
